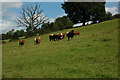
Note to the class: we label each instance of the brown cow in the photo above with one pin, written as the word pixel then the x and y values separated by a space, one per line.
pixel 21 42
pixel 37 40
pixel 61 36
pixel 76 33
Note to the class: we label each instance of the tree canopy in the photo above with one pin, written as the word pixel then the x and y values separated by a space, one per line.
pixel 81 12
pixel 116 16
pixel 60 23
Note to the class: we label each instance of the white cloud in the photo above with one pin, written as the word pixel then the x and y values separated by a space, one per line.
pixel 7 5
pixel 5 26
pixel 62 15
pixel 8 17
pixel 113 10
pixel 32 0
pixel 51 20
pixel 112 0
pixel 10 0
pixel 11 5
pixel 57 0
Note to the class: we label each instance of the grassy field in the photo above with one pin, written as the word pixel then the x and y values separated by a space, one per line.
pixel 92 54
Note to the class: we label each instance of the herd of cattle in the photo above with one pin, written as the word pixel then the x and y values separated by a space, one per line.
pixel 54 37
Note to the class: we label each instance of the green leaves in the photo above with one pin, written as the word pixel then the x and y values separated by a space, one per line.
pixel 84 11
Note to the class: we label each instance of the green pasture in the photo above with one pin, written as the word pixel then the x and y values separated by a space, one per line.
pixel 92 54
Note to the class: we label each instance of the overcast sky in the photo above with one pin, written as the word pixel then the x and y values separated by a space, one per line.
pixel 9 11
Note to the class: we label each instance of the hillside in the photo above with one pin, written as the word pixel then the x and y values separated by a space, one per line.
pixel 92 54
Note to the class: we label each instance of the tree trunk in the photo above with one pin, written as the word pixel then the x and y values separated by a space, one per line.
pixel 83 24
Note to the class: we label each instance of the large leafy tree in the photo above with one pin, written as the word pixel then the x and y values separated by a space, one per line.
pixel 81 12
pixel 97 11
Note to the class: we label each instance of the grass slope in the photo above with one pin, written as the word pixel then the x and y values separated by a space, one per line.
pixel 93 54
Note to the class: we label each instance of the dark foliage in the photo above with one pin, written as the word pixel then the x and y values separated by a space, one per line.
pixel 116 16
pixel 81 12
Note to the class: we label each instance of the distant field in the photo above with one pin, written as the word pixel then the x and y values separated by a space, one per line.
pixel 92 54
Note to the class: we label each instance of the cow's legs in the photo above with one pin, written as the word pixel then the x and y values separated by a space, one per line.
pixel 68 38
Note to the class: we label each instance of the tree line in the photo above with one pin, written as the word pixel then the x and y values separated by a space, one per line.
pixel 60 23
pixel 32 18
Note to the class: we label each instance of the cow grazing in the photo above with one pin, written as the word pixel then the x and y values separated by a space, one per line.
pixel 76 33
pixel 58 36
pixel 70 34
pixel 53 37
pixel 61 36
pixel 37 40
pixel 21 42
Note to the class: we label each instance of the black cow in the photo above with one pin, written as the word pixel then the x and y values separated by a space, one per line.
pixel 58 36
pixel 70 34
pixel 53 37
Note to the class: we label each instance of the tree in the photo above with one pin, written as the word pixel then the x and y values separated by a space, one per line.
pixel 108 16
pixel 46 28
pixel 81 12
pixel 0 36
pixel 63 23
pixel 116 16
pixel 59 24
pixel 97 12
pixel 15 35
pixel 4 36
pixel 21 33
pixel 31 17
pixel 9 34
